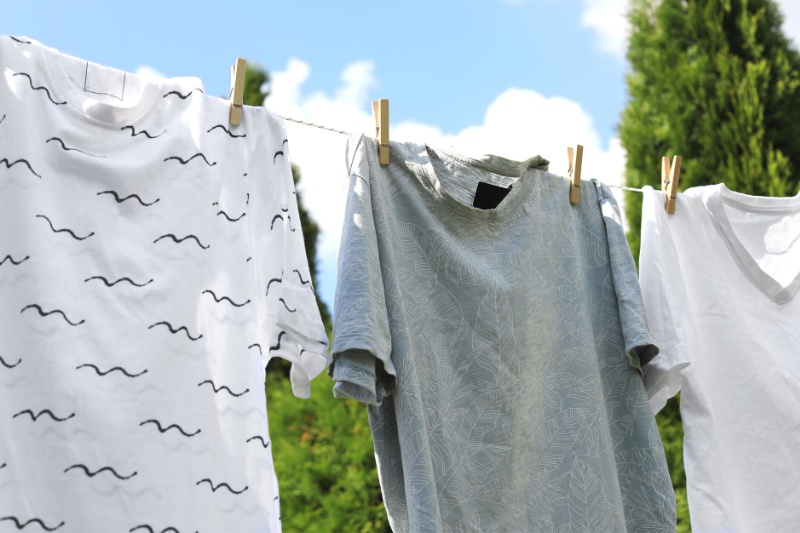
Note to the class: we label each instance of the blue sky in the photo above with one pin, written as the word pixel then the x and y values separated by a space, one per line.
pixel 511 77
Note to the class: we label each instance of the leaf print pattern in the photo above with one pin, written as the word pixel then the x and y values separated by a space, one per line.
pixel 420 279
pixel 506 397
pixel 493 341
pixel 588 508
pixel 650 509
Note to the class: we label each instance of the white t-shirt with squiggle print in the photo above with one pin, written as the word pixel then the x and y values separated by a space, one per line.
pixel 151 261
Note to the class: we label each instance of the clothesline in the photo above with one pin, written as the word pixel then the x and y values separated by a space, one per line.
pixel 304 123
pixel 334 130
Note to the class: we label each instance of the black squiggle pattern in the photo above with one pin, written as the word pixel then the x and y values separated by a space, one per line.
pixel 169 529
pixel 264 443
pixel 178 241
pixel 275 157
pixel 214 488
pixel 164 430
pixel 3 466
pixel 174 331
pixel 3 362
pixel 129 280
pixel 223 213
pixel 281 300
pixel 218 300
pixel 134 133
pixel 279 216
pixel 248 194
pixel 248 259
pixel 226 130
pixel 184 96
pixel 223 387
pixel 2 119
pixel 67 230
pixel 116 368
pixel 48 412
pixel 136 196
pixel 21 525
pixel 67 149
pixel 19 40
pixel 46 313
pixel 278 345
pixel 9 164
pixel 103 469
pixel 256 345
pixel 13 262
pixel 279 280
pixel 284 143
pixel 303 281
pixel 183 162
pixel 40 88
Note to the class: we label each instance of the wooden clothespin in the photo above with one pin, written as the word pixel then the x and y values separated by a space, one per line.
pixel 380 110
pixel 575 163
pixel 670 178
pixel 237 90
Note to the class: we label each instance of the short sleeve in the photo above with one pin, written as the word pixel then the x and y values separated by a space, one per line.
pixel 639 345
pixel 293 326
pixel 361 362
pixel 665 300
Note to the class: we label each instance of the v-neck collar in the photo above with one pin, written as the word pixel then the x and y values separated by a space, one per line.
pixel 753 204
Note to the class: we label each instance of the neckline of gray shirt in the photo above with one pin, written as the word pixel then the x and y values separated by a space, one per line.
pixel 503 172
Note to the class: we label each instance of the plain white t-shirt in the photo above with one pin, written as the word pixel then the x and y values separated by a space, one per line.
pixel 720 280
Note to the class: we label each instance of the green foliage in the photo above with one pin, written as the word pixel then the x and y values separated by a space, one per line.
pixel 717 82
pixel 255 79
pixel 322 448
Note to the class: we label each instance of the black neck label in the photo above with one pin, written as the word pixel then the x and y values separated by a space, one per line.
pixel 489 196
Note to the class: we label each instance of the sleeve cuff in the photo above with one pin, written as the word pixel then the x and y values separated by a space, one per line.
pixel 305 368
pixel 661 385
pixel 354 372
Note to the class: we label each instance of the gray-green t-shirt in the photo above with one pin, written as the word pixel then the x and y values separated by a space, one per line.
pixel 499 350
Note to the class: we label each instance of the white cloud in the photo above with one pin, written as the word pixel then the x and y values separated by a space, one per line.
pixel 149 73
pixel 358 79
pixel 518 124
pixel 607 18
